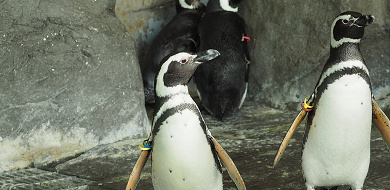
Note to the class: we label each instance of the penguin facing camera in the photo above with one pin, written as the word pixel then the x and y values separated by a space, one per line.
pixel 336 144
pixel 180 34
pixel 184 153
pixel 222 83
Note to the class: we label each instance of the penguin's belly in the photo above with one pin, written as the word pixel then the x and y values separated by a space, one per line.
pixel 182 157
pixel 337 150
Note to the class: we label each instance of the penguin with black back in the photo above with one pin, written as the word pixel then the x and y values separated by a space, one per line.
pixel 180 34
pixel 184 153
pixel 336 148
pixel 222 83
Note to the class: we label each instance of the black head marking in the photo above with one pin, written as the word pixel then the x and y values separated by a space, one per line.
pixel 179 72
pixel 177 69
pixel 348 27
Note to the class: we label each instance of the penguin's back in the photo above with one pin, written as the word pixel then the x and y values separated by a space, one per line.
pixel 222 81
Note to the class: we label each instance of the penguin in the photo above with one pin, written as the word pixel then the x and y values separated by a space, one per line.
pixel 222 84
pixel 185 155
pixel 338 130
pixel 336 144
pixel 180 34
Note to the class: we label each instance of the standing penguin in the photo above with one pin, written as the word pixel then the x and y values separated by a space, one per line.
pixel 184 153
pixel 222 83
pixel 336 148
pixel 180 34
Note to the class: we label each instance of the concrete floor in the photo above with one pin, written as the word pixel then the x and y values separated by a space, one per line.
pixel 251 137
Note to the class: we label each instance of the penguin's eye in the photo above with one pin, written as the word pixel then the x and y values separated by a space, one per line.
pixel 183 61
pixel 345 21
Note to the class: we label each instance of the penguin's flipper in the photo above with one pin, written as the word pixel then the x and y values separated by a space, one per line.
pixel 381 121
pixel 288 136
pixel 229 164
pixel 139 165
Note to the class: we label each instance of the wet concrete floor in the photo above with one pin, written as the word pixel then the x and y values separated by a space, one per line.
pixel 251 137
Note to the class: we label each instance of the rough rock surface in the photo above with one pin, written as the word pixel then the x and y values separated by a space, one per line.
pixel 144 19
pixel 69 80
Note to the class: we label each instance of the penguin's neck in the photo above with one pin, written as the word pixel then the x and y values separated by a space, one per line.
pixel 175 97
pixel 162 104
pixel 346 51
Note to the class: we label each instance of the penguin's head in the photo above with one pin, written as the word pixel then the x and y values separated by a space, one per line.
pixel 223 5
pixel 177 69
pixel 348 27
pixel 189 5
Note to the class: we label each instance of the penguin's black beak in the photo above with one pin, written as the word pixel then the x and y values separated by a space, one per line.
pixel 205 56
pixel 365 20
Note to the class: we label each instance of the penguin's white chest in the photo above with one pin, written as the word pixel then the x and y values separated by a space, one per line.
pixel 337 150
pixel 182 157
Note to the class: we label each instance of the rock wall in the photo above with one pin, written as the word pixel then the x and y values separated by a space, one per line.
pixel 290 45
pixel 69 80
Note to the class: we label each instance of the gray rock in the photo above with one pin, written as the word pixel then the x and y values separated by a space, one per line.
pixel 69 80
pixel 290 45
pixel 144 19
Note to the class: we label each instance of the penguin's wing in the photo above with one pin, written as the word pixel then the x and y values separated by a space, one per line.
pixel 288 136
pixel 381 121
pixel 307 106
pixel 229 164
pixel 139 165
pixel 247 56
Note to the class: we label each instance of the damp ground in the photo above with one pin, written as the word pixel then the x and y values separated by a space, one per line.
pixel 251 137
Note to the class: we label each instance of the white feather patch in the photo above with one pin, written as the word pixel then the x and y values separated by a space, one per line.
pixel 181 157
pixel 225 6
pixel 185 5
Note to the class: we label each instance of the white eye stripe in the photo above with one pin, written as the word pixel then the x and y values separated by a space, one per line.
pixel 225 6
pixel 185 5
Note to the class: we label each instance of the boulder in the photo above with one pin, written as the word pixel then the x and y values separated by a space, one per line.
pixel 69 81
